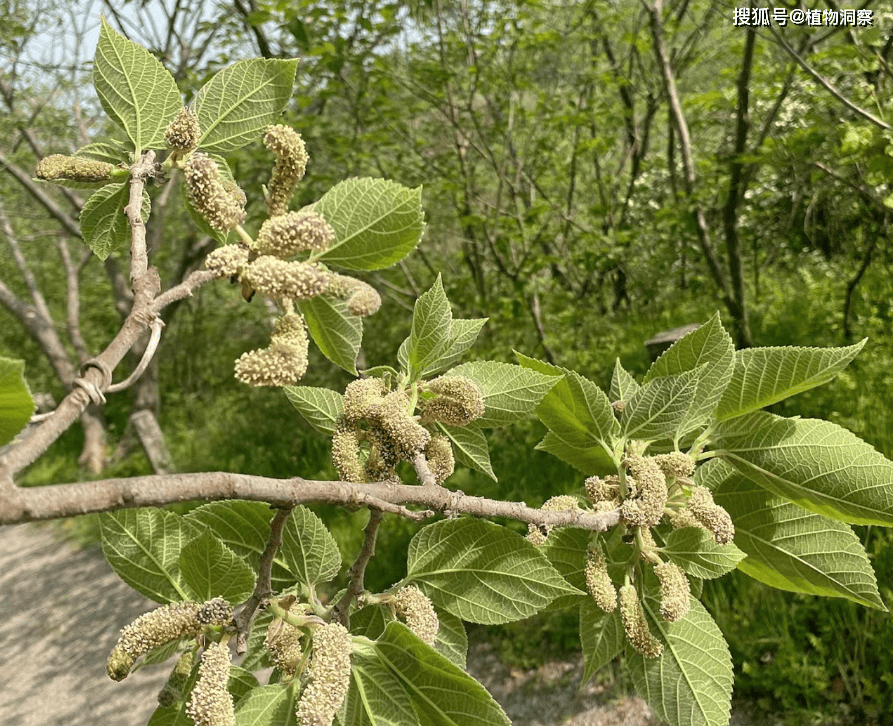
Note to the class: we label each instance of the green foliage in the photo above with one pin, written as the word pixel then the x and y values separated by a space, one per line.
pixel 16 405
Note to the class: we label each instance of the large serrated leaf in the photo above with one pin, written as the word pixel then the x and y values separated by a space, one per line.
pixel 510 392
pixel 659 408
pixel 134 89
pixel 463 333
pixel 470 447
pixel 376 696
pixel 696 552
pixel 565 548
pixel 104 226
pixel 481 572
pixel 788 547
pixel 210 569
pixel 242 100
pixel 540 366
pixel 690 684
pixel 579 413
pixel 442 693
pixel 623 385
pixel 816 464
pixel 430 334
pixel 336 332
pixel 320 407
pixel 711 347
pixel 763 376
pixel 272 705
pixel 377 222
pixel 452 640
pixel 601 637
pixel 143 547
pixel 590 461
pixel 309 549
pixel 16 404
pixel 111 152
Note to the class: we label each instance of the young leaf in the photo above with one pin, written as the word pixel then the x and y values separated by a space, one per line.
pixel 593 460
pixel 376 696
pixel 816 464
pixel 623 385
pixel 309 549
pixel 690 684
pixel 320 407
pixel 242 100
pixel 711 347
pixel 510 392
pixel 430 336
pixel 481 572
pixel 272 705
pixel 111 152
pixel 470 447
pixel 241 682
pixel 538 365
pixel 696 552
pixel 659 408
pixel 16 404
pixel 442 694
pixel 143 547
pixel 764 376
pixel 452 640
pixel 336 332
pixel 579 413
pixel 134 89
pixel 370 621
pixel 601 637
pixel 103 224
pixel 211 569
pixel 463 333
pixel 788 547
pixel 377 222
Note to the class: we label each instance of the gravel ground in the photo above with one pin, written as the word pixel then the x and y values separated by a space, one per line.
pixel 61 610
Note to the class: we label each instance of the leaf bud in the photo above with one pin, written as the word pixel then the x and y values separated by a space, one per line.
pixel 418 612
pixel 152 630
pixel 458 401
pixel 635 624
pixel 211 704
pixel 183 132
pixel 393 416
pixel 675 464
pixel 363 300
pixel 674 591
pixel 209 196
pixel 227 261
pixel 439 454
pixel 215 612
pixel 280 279
pixel 346 453
pixel 284 644
pixel 177 680
pixel 287 234
pixel 329 676
pixel 73 168
pixel 291 162
pixel 711 516
pixel 598 582
pixel 360 396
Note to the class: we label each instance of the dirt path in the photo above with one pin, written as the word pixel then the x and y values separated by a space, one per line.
pixel 61 609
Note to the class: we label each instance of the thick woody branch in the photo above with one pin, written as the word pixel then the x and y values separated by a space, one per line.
pixel 68 500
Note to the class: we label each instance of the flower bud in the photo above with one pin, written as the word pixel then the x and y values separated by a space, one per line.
pixel 329 676
pixel 712 516
pixel 287 234
pixel 418 612
pixel 227 261
pixel 439 454
pixel 360 396
pixel 152 630
pixel 291 162
pixel 280 279
pixel 177 680
pixel 183 132
pixel 284 644
pixel 675 591
pixel 458 401
pixel 346 453
pixel 635 624
pixel 598 582
pixel 210 703
pixel 209 196
pixel 73 168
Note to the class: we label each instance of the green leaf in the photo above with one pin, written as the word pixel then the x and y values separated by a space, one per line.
pixel 111 152
pixel 16 404
pixel 376 696
pixel 430 335
pixel 241 682
pixel 538 365
pixel 816 464
pixel 211 569
pixel 510 392
pixel 578 412
pixel 242 100
pixel 690 684
pixel 272 705
pixel 320 407
pixel 696 552
pixel 788 547
pixel 103 224
pixel 257 657
pixel 336 332
pixel 470 447
pixel 442 694
pixel 590 461
pixel 764 376
pixel 601 637
pixel 623 385
pixel 370 621
pixel 134 89
pixel 377 222
pixel 481 572
pixel 143 547
pixel 463 333
pixel 309 549
pixel 711 347
pixel 565 548
pixel 659 408
pixel 452 641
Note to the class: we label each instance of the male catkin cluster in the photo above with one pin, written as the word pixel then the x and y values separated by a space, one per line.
pixel 222 208
pixel 291 162
pixel 598 582
pixel 288 234
pixel 710 515
pixel 439 454
pixel 210 703
pixel 537 533
pixel 177 680
pixel 283 641
pixel 416 609
pixel 635 624
pixel 457 401
pixel 646 507
pixel 183 133
pixel 362 299
pixel 282 279
pixel 284 362
pixel 73 168
pixel 329 676
pixel 675 591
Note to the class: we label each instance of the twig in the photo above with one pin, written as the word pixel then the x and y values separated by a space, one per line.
pixel 184 289
pixel 420 464
pixel 357 572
